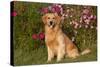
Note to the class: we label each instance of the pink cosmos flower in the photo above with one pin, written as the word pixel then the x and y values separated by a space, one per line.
pixel 62 18
pixel 94 17
pixel 45 10
pixel 86 11
pixel 81 20
pixel 76 26
pixel 87 21
pixel 41 36
pixel 14 13
pixel 59 5
pixel 73 22
pixel 91 17
pixel 84 17
pixel 35 36
pixel 61 11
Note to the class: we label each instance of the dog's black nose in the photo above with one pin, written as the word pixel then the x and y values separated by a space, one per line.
pixel 51 22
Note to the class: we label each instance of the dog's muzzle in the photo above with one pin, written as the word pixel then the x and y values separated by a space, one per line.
pixel 51 24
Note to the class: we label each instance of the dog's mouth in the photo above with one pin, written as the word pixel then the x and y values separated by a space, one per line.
pixel 51 24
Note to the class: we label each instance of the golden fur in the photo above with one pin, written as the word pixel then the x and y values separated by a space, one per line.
pixel 58 44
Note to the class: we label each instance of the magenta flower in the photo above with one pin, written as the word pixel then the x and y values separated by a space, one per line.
pixel 56 9
pixel 91 17
pixel 41 36
pixel 76 26
pixel 45 10
pixel 84 17
pixel 35 36
pixel 14 13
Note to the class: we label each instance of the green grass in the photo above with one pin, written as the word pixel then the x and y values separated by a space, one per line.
pixel 39 56
pixel 28 21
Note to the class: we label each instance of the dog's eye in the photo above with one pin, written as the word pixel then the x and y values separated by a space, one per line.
pixel 48 17
pixel 53 17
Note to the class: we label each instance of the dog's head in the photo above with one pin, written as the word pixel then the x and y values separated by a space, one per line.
pixel 51 19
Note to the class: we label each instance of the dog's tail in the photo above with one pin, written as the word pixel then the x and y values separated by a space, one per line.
pixel 86 51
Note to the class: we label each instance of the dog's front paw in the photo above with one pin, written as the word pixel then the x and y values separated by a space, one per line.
pixel 59 59
pixel 48 61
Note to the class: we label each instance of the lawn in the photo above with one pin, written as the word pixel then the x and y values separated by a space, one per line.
pixel 30 49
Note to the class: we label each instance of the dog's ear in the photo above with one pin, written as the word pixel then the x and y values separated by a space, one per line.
pixel 44 19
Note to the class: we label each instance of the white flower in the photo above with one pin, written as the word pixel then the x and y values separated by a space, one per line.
pixel 71 23
pixel 86 26
pixel 81 20
pixel 67 10
pixel 73 38
pixel 50 7
pixel 71 15
pixel 66 15
pixel 75 32
pixel 92 27
pixel 72 9
pixel 76 26
pixel 80 26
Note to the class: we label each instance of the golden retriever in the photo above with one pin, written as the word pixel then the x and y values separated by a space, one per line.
pixel 58 44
